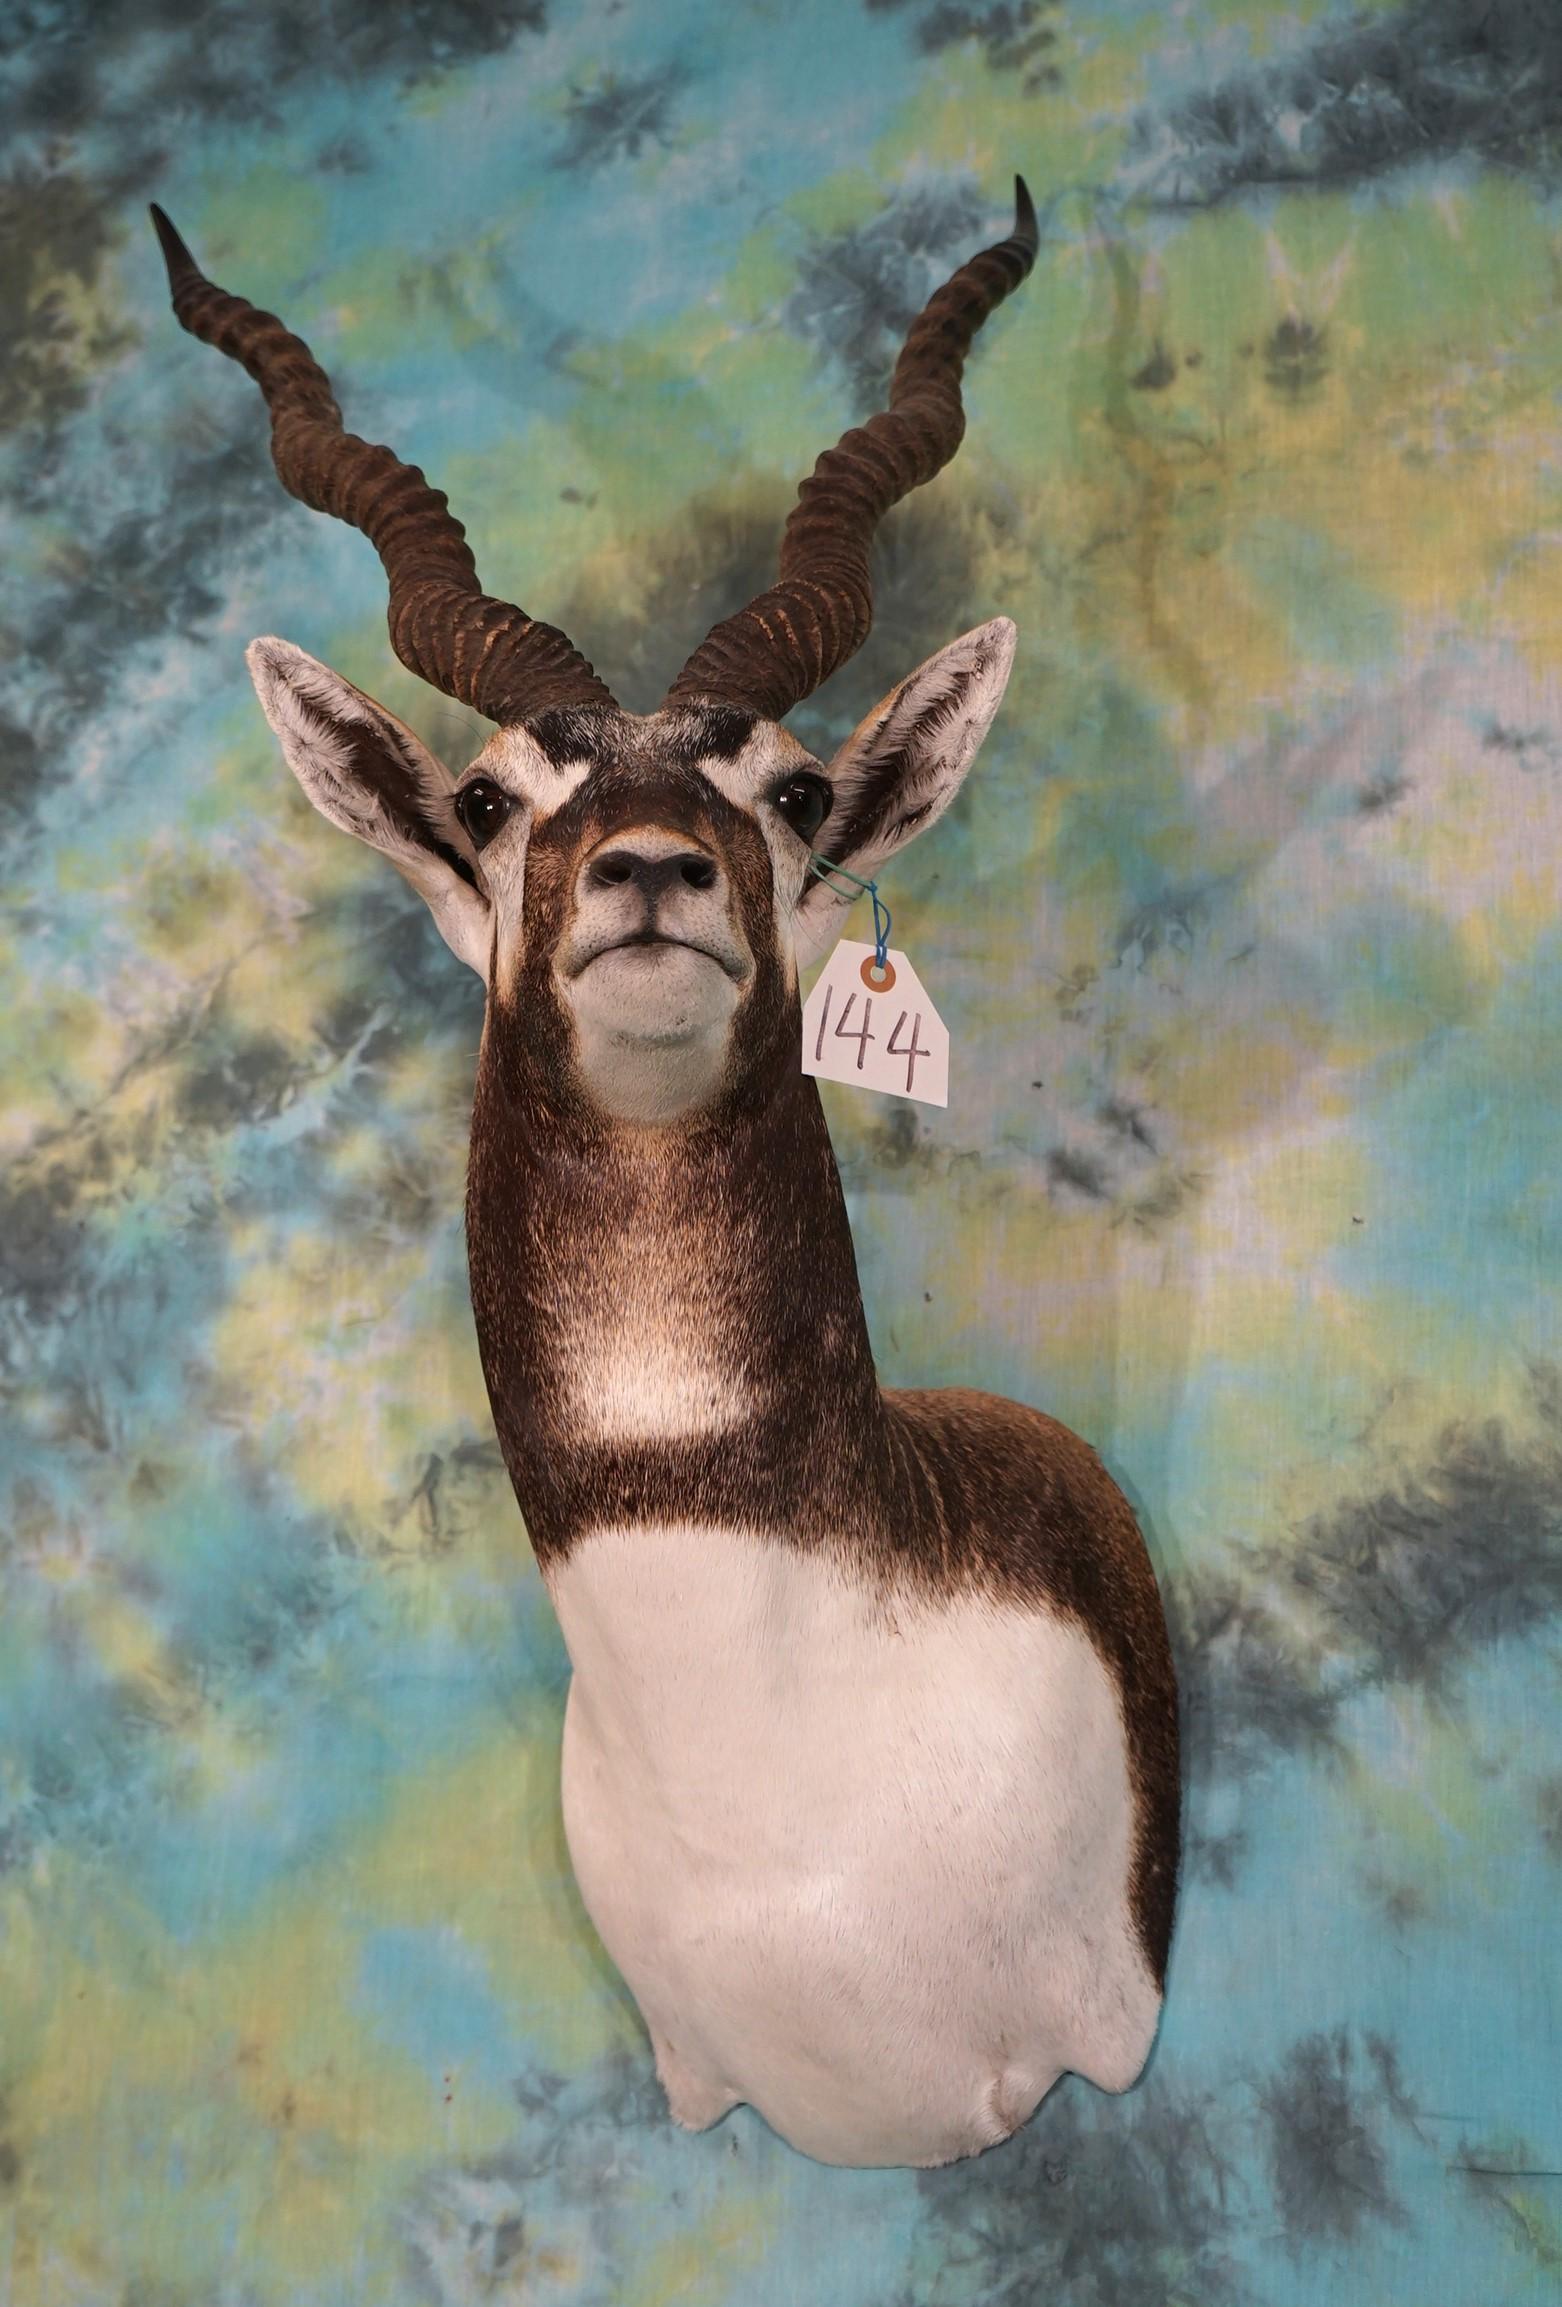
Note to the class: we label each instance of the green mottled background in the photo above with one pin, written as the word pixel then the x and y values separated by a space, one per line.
pixel 1247 930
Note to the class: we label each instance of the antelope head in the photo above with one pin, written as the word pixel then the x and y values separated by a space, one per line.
pixel 635 890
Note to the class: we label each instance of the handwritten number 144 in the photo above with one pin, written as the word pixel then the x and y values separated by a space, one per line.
pixel 864 1033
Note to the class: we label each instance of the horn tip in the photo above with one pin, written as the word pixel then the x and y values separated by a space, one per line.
pixel 1026 230
pixel 181 264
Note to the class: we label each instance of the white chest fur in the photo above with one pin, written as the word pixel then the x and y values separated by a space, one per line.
pixel 862 1861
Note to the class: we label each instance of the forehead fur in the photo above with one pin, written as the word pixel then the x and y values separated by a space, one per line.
pixel 547 760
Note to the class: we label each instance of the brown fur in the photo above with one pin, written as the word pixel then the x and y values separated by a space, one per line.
pixel 741 1216
pixel 734 1219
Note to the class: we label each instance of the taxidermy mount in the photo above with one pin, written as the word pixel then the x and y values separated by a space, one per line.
pixel 870 1755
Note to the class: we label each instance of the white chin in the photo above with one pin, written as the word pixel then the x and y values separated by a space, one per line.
pixel 658 994
pixel 651 1025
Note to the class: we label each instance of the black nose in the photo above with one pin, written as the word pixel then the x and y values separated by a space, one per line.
pixel 625 868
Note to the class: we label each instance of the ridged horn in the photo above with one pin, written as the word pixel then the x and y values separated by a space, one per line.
pixel 789 639
pixel 443 626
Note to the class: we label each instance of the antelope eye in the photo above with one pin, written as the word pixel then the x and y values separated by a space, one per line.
pixel 482 809
pixel 805 802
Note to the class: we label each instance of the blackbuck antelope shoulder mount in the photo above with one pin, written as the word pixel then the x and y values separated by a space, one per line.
pixel 870 1755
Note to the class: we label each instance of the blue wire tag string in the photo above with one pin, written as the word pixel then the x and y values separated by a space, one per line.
pixel 829 874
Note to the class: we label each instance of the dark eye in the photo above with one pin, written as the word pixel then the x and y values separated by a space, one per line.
pixel 482 809
pixel 805 802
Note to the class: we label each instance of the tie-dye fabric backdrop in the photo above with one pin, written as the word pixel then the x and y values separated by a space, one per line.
pixel 1247 930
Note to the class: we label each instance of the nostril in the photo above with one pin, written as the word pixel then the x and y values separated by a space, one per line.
pixel 652 875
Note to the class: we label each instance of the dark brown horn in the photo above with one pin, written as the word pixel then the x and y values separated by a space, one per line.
pixel 443 626
pixel 776 652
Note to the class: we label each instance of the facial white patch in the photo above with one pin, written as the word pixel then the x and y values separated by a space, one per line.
pixel 769 755
pixel 516 761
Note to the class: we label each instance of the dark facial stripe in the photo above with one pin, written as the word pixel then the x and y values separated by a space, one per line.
pixel 576 733
pixel 721 733
pixel 610 739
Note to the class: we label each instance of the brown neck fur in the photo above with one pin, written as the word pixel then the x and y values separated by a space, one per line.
pixel 727 1243
pixel 734 1234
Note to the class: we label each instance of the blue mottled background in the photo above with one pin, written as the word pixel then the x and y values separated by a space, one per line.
pixel 1247 929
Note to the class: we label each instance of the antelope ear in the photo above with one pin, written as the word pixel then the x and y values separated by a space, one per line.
pixel 366 771
pixel 902 766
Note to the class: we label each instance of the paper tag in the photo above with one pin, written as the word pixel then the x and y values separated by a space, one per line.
pixel 876 1032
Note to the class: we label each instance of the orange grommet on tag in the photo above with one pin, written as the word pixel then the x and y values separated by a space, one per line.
pixel 878 980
